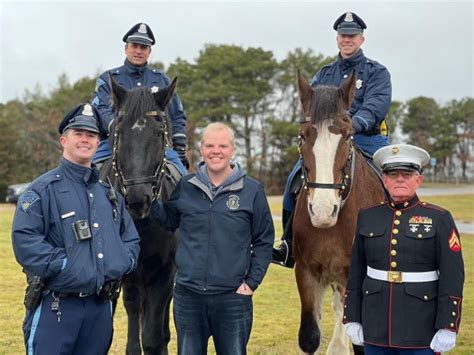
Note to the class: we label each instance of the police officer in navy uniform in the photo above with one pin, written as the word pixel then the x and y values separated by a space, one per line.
pixel 370 105
pixel 134 73
pixel 404 291
pixel 73 232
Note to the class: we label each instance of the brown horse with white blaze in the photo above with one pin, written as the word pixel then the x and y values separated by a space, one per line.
pixel 338 182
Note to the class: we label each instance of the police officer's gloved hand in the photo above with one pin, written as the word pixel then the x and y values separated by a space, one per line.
pixel 355 332
pixel 444 340
pixel 179 146
pixel 110 125
pixel 356 126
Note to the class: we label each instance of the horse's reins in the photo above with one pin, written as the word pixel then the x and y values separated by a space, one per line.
pixel 345 186
pixel 159 172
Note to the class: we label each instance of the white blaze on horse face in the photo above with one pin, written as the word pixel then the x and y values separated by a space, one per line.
pixel 139 124
pixel 323 204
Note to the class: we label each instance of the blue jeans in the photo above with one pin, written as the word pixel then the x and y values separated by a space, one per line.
pixel 227 317
pixel 382 350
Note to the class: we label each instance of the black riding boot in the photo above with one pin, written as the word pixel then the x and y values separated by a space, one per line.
pixel 282 255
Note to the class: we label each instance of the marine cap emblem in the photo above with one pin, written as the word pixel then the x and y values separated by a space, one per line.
pixel 233 202
pixel 395 150
pixel 349 17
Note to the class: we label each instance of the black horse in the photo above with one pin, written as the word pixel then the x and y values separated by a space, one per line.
pixel 138 169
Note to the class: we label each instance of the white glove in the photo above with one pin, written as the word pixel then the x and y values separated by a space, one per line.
pixel 355 332
pixel 444 340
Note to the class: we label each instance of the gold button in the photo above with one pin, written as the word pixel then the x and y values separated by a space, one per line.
pixel 395 231
pixel 454 313
pixel 393 264
pixel 452 325
pixel 455 302
pixel 393 252
pixel 394 242
pixel 371 234
pixel 420 235
pixel 397 222
pixel 425 297
pixel 398 213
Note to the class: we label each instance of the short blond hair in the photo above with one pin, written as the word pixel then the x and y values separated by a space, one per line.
pixel 219 126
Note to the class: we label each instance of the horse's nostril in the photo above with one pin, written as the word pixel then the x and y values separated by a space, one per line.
pixel 311 208
pixel 334 211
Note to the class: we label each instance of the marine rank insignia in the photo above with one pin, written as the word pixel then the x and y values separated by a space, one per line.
pixel 233 202
pixel 454 243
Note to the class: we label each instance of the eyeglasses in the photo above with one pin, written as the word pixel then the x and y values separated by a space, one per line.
pixel 406 174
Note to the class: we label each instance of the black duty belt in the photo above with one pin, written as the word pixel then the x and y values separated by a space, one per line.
pixel 71 294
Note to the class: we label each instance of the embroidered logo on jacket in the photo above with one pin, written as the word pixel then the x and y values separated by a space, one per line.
pixel 454 243
pixel 27 199
pixel 233 202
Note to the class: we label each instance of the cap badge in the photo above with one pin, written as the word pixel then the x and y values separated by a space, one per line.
pixel 87 110
pixel 395 150
pixel 154 89
pixel 358 84
pixel 454 243
pixel 349 17
pixel 142 28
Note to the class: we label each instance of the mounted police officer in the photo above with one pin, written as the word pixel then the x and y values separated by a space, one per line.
pixel 134 73
pixel 370 105
pixel 75 240
pixel 404 291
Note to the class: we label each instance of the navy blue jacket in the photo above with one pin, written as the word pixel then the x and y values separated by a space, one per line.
pixel 410 237
pixel 225 237
pixel 372 98
pixel 42 233
pixel 130 77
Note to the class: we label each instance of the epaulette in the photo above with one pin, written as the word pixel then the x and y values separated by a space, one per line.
pixel 373 206
pixel 434 207
pixel 41 182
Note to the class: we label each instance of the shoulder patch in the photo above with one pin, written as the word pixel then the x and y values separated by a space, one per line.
pixel 27 199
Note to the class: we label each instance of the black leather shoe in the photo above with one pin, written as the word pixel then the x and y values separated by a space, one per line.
pixel 282 255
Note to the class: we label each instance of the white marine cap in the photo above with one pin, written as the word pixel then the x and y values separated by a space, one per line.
pixel 401 157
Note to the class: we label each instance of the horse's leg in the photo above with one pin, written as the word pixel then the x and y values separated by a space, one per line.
pixel 155 320
pixel 311 295
pixel 131 301
pixel 338 344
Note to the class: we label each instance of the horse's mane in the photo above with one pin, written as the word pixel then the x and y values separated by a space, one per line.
pixel 325 104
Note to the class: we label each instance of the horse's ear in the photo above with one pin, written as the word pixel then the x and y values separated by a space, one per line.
pixel 162 97
pixel 305 92
pixel 347 90
pixel 117 92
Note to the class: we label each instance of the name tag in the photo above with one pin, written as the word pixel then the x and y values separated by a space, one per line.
pixel 69 214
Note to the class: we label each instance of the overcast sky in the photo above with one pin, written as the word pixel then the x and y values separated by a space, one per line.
pixel 426 45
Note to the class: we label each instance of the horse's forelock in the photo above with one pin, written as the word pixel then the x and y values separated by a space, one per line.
pixel 325 104
pixel 137 103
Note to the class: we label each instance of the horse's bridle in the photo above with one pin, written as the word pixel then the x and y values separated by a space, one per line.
pixel 159 171
pixel 345 186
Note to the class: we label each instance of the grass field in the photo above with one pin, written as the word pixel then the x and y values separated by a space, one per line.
pixel 276 302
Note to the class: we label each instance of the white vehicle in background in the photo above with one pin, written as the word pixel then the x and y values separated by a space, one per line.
pixel 14 191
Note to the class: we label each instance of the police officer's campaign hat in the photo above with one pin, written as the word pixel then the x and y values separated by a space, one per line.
pixel 141 33
pixel 401 157
pixel 349 24
pixel 84 116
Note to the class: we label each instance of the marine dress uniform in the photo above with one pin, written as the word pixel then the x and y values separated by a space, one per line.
pixel 68 232
pixel 406 276
pixel 129 77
